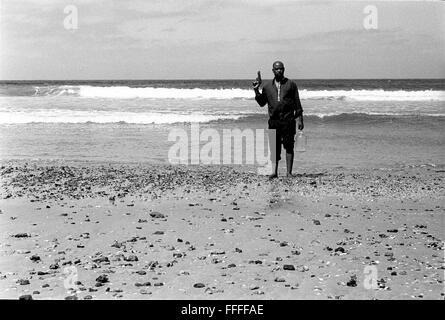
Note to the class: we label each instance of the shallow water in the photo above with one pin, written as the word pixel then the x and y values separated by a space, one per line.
pixel 384 143
pixel 349 123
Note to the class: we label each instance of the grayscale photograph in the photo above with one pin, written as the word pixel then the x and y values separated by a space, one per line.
pixel 249 150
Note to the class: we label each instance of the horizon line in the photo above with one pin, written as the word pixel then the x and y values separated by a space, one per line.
pixel 214 79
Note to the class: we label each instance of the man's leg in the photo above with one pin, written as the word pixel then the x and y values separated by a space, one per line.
pixel 274 170
pixel 275 151
pixel 289 163
pixel 288 142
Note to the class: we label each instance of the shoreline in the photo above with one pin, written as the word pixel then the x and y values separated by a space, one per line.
pixel 146 231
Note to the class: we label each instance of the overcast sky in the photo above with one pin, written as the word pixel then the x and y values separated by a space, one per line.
pixel 220 39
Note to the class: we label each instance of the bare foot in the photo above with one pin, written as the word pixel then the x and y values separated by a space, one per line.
pixel 290 175
pixel 273 176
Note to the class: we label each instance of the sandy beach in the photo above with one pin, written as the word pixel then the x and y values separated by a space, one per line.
pixel 84 230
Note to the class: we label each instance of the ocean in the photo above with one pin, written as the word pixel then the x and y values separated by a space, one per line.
pixel 348 123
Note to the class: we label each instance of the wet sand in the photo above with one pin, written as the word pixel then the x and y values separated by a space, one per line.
pixel 131 231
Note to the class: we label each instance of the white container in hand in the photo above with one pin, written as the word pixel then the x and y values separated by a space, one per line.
pixel 300 142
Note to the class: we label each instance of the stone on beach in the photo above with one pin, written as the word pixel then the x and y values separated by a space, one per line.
pixel 23 282
pixel 34 258
pixel 131 257
pixel 157 215
pixel 22 235
pixel 352 281
pixel 54 266
pixel 143 284
pixel 101 260
pixel 102 278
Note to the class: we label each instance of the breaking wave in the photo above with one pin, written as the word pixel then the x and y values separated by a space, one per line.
pixel 125 92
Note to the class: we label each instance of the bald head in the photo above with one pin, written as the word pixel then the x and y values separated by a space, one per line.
pixel 278 64
pixel 278 70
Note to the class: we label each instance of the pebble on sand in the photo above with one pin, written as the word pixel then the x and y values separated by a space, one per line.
pixel 34 258
pixel 101 259
pixel 303 268
pixel 22 235
pixel 131 257
pixel 352 282
pixel 144 284
pixel 141 272
pixel 157 215
pixel 102 278
pixel 23 282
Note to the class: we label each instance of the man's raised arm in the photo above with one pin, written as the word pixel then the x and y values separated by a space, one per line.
pixel 260 98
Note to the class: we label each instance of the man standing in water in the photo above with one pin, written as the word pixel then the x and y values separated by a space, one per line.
pixel 281 96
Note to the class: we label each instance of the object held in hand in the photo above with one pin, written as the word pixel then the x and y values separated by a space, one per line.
pixel 301 142
pixel 258 80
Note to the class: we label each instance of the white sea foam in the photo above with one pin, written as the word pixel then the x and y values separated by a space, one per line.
pixel 375 95
pixel 125 92
pixel 73 116
pixel 105 117
pixel 163 93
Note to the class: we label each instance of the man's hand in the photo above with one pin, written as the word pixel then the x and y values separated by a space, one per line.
pixel 256 84
pixel 300 123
